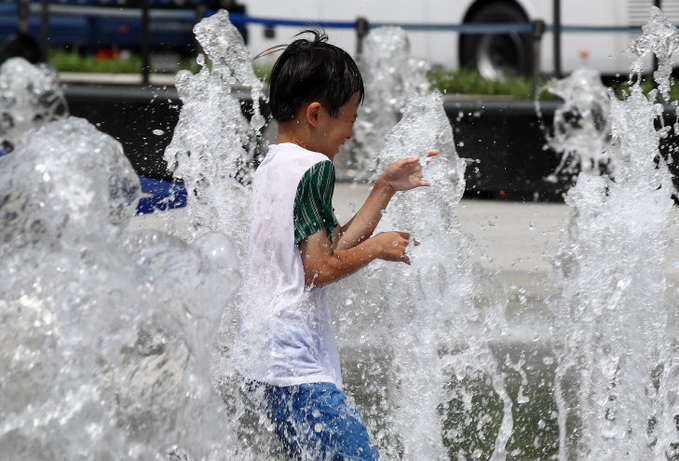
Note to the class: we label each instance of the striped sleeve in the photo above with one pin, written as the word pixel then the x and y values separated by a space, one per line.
pixel 313 202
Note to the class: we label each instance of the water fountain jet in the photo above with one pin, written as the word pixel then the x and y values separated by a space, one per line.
pixel 615 350
pixel 103 315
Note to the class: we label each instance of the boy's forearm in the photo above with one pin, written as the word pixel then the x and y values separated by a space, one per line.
pixel 363 224
pixel 335 265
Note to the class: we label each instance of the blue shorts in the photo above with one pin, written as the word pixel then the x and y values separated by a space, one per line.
pixel 317 422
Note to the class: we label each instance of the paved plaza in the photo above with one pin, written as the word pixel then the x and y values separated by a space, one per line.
pixel 515 241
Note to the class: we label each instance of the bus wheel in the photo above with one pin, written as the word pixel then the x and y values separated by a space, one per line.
pixel 497 55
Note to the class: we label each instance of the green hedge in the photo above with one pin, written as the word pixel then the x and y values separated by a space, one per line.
pixel 461 82
pixel 470 82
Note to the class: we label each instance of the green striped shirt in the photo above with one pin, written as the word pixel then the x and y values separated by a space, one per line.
pixel 313 202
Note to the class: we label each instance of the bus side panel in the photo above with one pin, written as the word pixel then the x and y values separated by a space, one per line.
pixel 604 51
pixel 600 51
pixel 437 47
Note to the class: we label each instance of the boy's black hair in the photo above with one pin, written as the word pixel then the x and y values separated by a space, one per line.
pixel 312 70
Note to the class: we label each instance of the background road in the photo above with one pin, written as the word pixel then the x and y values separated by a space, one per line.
pixel 513 241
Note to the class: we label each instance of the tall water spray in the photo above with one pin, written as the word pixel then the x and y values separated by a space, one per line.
pixel 105 335
pixel 214 152
pixel 214 147
pixel 390 75
pixel 440 336
pixel 582 123
pixel 419 334
pixel 617 376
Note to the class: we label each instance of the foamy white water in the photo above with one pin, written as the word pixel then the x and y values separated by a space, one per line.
pixel 616 374
pixel 30 97
pixel 390 75
pixel 107 336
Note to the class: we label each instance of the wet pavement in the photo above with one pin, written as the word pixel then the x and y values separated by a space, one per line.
pixel 513 241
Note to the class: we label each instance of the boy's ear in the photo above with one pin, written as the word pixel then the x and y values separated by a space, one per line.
pixel 313 113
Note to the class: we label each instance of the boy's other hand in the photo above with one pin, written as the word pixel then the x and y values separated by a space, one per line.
pixel 393 245
pixel 406 174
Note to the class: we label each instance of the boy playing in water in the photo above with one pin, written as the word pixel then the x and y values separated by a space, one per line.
pixel 286 348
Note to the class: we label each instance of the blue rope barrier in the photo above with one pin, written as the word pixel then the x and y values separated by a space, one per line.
pixel 598 29
pixel 242 19
pixel 470 28
pixel 476 28
pixel 238 18
pixel 112 12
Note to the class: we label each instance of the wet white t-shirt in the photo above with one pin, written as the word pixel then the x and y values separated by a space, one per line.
pixel 285 334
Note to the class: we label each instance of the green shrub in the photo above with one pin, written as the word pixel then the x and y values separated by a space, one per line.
pixel 458 82
pixel 471 82
pixel 65 60
pixel 622 88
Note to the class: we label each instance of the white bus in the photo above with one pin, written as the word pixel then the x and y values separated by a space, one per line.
pixel 492 55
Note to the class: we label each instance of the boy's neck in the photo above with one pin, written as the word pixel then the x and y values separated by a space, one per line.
pixel 299 133
pixel 290 136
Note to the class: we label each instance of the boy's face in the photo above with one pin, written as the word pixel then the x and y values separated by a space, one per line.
pixel 336 130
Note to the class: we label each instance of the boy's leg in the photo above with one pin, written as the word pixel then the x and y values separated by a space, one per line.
pixel 318 422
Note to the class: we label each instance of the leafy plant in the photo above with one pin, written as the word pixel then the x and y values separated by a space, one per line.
pixel 466 81
pixel 71 60
pixel 459 82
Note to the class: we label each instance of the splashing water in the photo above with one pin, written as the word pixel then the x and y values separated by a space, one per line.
pixel 29 98
pixel 659 38
pixel 430 304
pixel 214 148
pixel 105 335
pixel 413 345
pixel 581 124
pixel 617 373
pixel 214 151
pixel 390 75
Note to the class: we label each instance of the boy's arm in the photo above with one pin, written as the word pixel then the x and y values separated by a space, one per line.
pixel 356 247
pixel 324 264
pixel 401 175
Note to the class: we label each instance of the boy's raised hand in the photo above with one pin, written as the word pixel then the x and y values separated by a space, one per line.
pixel 406 174
pixel 402 175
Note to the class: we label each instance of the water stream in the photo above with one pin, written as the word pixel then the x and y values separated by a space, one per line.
pixel 616 375
pixel 115 344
